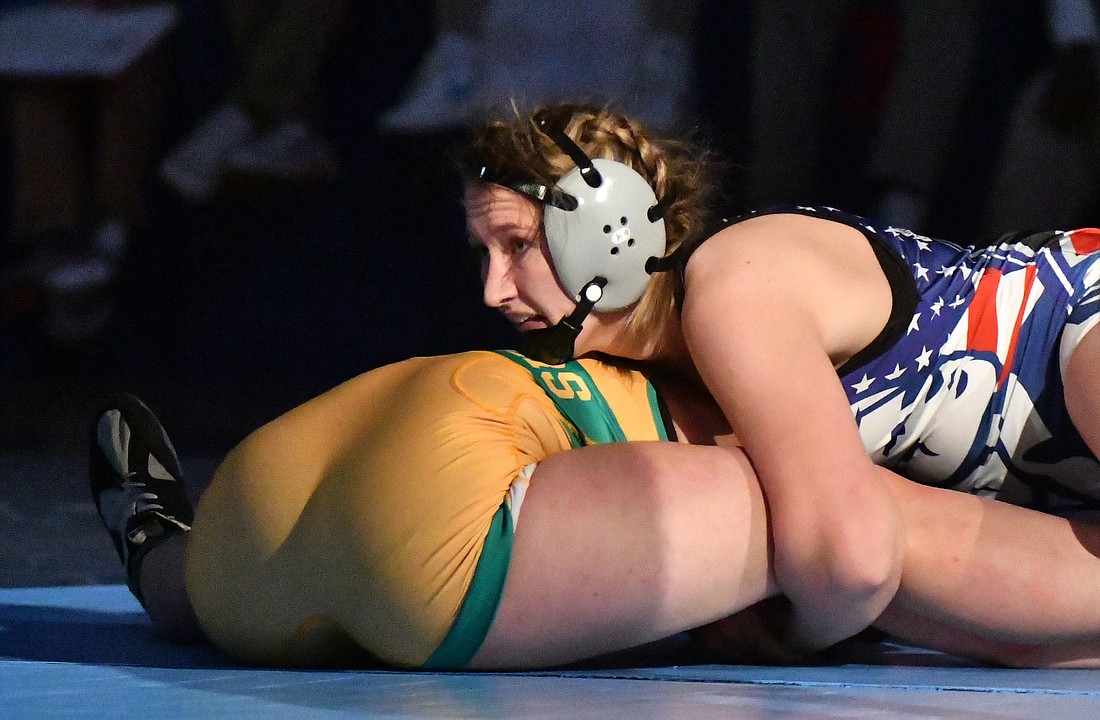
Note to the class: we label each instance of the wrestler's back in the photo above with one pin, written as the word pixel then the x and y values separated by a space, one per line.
pixel 333 520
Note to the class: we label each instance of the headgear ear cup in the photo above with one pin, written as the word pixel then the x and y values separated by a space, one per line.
pixel 608 234
pixel 605 231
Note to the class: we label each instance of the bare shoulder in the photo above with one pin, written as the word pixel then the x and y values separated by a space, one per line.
pixel 784 264
pixel 785 238
pixel 784 252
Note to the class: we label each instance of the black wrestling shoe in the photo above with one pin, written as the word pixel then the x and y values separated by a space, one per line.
pixel 136 482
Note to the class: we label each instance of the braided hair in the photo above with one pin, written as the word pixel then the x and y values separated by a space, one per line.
pixel 678 171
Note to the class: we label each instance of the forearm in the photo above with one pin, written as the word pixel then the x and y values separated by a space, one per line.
pixel 770 367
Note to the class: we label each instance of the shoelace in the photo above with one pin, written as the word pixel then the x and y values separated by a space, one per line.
pixel 145 500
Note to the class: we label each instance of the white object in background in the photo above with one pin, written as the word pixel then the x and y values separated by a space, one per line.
pixel 60 40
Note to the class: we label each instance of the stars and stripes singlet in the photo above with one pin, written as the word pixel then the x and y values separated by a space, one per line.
pixel 964 388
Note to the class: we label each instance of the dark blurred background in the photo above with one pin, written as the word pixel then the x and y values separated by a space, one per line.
pixel 224 313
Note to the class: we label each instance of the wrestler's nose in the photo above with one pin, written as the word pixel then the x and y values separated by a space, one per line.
pixel 498 286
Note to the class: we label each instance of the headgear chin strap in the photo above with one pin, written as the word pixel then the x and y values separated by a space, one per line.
pixel 556 344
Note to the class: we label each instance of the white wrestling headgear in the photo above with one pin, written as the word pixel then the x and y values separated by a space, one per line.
pixel 602 220
pixel 609 233
pixel 605 231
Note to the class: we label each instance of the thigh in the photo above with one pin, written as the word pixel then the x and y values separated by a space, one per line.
pixel 937 635
pixel 1002 573
pixel 1081 382
pixel 619 545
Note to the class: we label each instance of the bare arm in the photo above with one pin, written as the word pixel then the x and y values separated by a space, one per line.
pixel 981 579
pixel 767 310
pixel 995 581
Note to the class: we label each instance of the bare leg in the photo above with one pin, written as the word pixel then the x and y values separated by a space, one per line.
pixel 1081 384
pixel 995 581
pixel 162 586
pixel 937 635
pixel 981 579
pixel 619 545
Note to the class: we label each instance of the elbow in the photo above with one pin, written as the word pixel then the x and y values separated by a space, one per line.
pixel 866 557
pixel 866 573
pixel 852 581
pixel 842 554
pixel 855 577
pixel 875 579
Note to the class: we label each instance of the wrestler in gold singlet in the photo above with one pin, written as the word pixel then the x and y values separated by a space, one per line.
pixel 379 516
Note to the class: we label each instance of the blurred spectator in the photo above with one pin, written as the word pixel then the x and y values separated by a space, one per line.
pixel 84 88
pixel 794 50
pixel 264 129
pixel 1046 176
pixel 636 54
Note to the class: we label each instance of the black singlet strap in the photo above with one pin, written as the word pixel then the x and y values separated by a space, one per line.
pixel 903 290
pixel 903 287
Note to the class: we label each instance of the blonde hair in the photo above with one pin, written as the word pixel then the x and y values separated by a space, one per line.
pixel 517 151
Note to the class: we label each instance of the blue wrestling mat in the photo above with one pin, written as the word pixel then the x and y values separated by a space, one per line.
pixel 88 652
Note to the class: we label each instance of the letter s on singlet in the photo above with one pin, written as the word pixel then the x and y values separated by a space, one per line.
pixel 567 385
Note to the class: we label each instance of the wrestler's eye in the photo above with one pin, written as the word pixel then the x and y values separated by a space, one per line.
pixel 519 245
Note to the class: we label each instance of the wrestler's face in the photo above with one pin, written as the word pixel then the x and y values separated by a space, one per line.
pixel 505 228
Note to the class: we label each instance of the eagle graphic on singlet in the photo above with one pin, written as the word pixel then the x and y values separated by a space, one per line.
pixel 969 396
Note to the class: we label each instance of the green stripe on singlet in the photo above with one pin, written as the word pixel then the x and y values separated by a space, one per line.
pixel 480 606
pixel 577 397
pixel 665 428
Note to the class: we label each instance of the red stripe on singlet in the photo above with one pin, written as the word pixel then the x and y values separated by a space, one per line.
pixel 981 329
pixel 1085 240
